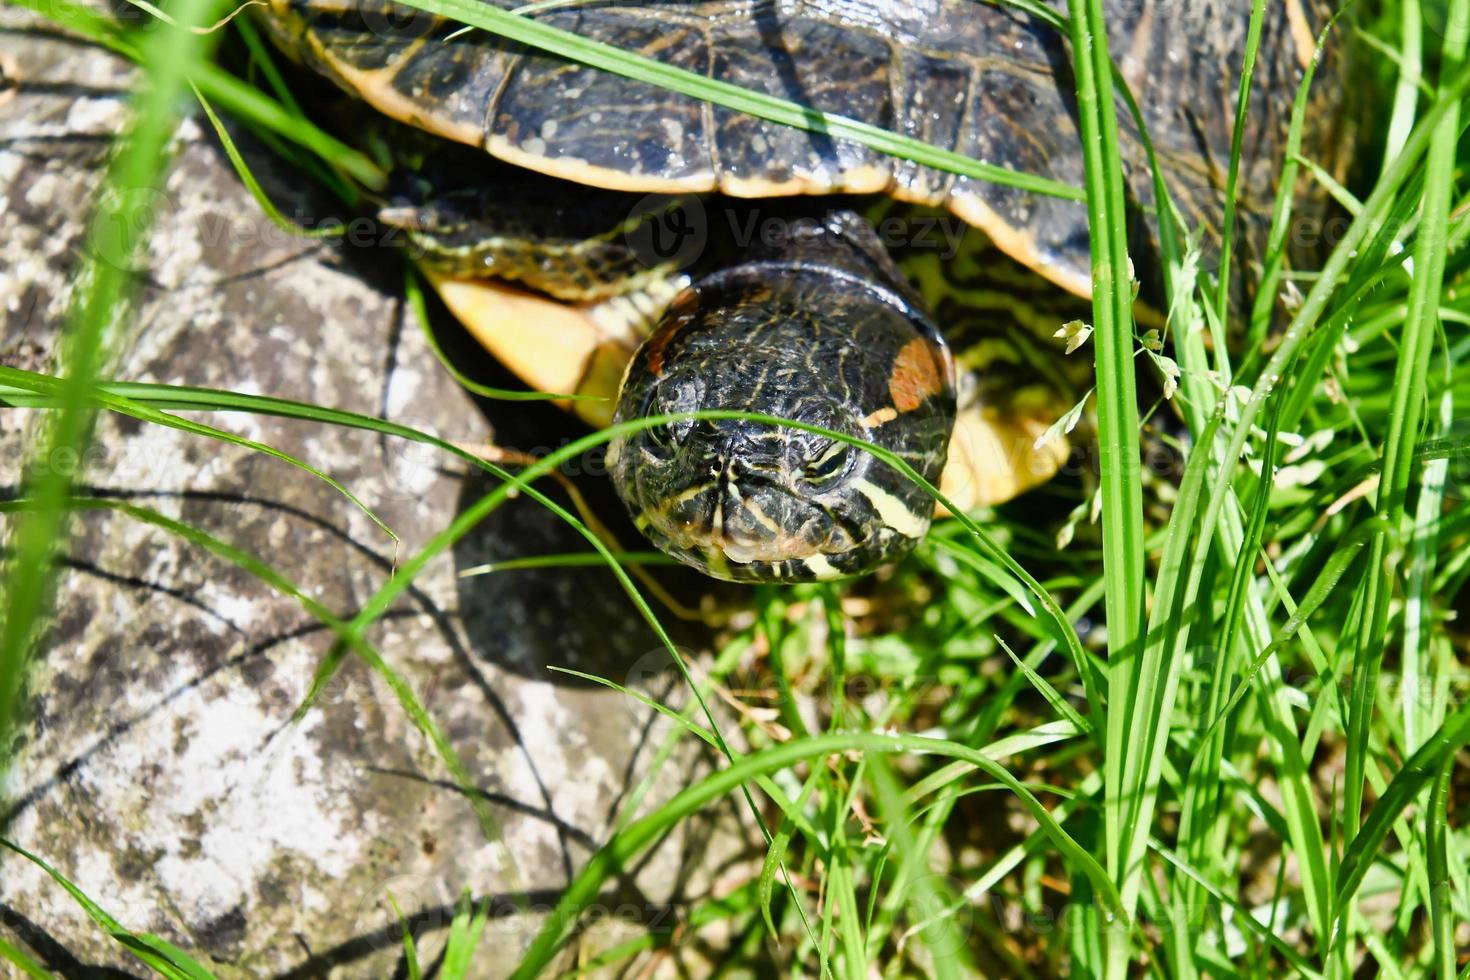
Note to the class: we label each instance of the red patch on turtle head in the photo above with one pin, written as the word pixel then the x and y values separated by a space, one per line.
pixel 654 352
pixel 919 373
pixel 678 314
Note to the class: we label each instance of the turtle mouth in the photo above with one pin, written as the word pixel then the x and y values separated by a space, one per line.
pixel 779 537
pixel 747 553
pixel 714 535
pixel 740 564
pixel 772 553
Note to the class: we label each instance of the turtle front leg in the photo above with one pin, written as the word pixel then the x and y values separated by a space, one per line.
pixel 551 346
pixel 994 456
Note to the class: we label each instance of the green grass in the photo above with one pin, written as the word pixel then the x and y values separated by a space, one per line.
pixel 1279 671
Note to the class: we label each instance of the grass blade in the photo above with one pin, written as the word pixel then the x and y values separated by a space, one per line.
pixel 1407 783
pixel 46 385
pixel 624 846
pixel 464 936
pixel 410 950
pixel 1405 414
pixel 22 961
pixel 164 957
pixel 116 235
pixel 769 107
pixel 1436 836
pixel 1237 138
pixel 1118 447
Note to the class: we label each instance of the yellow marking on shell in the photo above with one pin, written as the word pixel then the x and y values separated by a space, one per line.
pixel 1016 243
pixel 858 180
pixel 581 172
pixel 551 346
pixel 376 88
pixel 866 180
pixel 892 511
pixel 881 417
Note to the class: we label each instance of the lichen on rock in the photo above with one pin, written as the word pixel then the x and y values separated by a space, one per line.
pixel 159 768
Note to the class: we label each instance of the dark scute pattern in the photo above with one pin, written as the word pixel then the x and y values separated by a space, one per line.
pixel 367 35
pixel 557 110
pixel 1021 120
pixel 938 92
pixel 780 56
pixel 454 81
pixel 979 78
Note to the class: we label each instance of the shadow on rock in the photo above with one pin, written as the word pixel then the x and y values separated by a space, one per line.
pixel 528 619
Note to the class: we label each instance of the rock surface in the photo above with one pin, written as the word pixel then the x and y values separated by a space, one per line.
pixel 159 769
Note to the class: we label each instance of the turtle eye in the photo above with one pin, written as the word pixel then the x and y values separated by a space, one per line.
pixel 827 465
pixel 660 438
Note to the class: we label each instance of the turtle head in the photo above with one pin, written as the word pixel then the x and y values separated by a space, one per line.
pixel 746 500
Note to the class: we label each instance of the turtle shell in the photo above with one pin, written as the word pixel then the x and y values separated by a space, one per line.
pixel 985 80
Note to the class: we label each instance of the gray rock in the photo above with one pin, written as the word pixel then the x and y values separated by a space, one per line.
pixel 158 768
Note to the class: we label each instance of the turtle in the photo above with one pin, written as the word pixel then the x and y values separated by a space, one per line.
pixel 552 205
